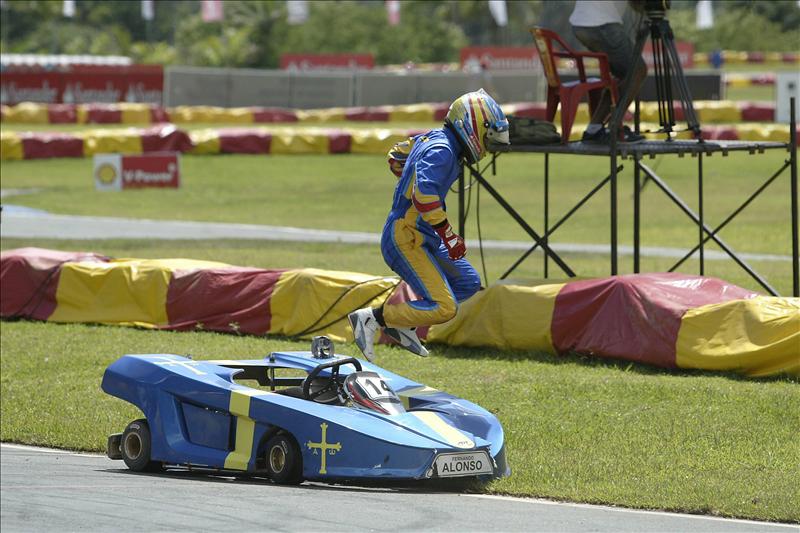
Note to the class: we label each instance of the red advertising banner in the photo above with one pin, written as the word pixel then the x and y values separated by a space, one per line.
pixel 685 53
pixel 114 172
pixel 477 58
pixel 83 85
pixel 327 61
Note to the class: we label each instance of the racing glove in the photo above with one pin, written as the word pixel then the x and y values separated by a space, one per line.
pixel 454 243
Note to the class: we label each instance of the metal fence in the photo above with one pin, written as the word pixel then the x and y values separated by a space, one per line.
pixel 306 90
pixel 309 90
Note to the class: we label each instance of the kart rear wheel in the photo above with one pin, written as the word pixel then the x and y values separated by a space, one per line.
pixel 135 447
pixel 283 460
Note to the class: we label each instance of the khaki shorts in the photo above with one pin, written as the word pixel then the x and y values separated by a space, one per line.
pixel 611 39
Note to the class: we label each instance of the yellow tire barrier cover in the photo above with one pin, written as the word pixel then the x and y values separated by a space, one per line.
pixel 127 141
pixel 302 300
pixel 503 316
pixel 123 291
pixel 758 336
pixel 11 147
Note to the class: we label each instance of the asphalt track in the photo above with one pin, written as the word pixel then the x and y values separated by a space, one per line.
pixel 53 490
pixel 21 222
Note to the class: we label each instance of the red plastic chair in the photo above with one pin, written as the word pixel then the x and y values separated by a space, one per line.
pixel 570 94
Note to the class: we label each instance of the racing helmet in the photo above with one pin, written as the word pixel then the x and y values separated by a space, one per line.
pixel 476 118
pixel 368 390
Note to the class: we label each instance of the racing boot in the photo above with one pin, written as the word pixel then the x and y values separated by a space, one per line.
pixel 365 326
pixel 407 338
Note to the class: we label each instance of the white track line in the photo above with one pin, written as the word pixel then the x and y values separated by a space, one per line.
pixel 625 510
pixel 50 450
pixel 26 223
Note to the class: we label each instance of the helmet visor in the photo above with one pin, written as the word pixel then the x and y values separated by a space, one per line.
pixel 498 132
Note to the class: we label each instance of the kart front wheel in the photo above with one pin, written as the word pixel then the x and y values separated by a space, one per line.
pixel 284 462
pixel 135 447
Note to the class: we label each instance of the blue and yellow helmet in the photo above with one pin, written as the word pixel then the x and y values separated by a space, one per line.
pixel 476 118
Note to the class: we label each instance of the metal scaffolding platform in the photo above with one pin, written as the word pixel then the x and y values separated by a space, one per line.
pixel 638 152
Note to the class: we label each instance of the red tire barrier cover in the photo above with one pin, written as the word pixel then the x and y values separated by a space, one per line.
pixel 758 112
pixel 103 114
pixel 339 142
pixel 440 111
pixel 634 317
pixel 720 133
pixel 269 114
pixel 244 141
pixel 366 114
pixel 62 114
pixel 166 138
pixel 43 145
pixel 234 299
pixel 158 115
pixel 30 279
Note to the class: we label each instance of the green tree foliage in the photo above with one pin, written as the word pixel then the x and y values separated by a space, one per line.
pixel 735 28
pixel 255 32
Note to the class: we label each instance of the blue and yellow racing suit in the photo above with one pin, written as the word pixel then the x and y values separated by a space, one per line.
pixel 409 243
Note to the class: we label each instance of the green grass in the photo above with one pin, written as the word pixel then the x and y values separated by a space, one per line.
pixel 753 93
pixel 352 192
pixel 577 429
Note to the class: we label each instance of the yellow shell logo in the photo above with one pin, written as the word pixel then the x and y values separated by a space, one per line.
pixel 106 174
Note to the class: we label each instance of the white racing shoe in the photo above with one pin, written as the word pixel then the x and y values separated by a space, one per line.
pixel 407 338
pixel 365 326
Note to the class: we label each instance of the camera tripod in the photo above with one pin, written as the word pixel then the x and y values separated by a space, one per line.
pixel 667 71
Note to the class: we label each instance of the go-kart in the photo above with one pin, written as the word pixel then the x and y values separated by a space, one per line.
pixel 298 415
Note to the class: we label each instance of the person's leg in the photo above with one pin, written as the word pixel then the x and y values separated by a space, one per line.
pixel 418 266
pixel 461 275
pixel 405 251
pixel 617 45
pixel 592 39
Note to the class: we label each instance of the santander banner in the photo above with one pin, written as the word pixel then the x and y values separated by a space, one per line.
pixel 83 85
pixel 477 58
pixel 327 61
pixel 115 172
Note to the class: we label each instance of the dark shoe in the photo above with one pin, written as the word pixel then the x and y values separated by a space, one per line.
pixel 631 136
pixel 601 136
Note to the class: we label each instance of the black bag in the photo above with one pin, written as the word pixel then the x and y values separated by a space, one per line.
pixel 523 130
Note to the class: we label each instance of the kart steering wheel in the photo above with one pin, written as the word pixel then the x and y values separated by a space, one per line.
pixel 333 381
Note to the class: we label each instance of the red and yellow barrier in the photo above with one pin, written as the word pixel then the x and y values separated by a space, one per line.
pixel 15 146
pixel 39 145
pixel 669 320
pixel 738 57
pixel 28 113
pixel 45 145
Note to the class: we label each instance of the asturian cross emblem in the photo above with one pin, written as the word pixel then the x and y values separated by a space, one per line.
pixel 325 447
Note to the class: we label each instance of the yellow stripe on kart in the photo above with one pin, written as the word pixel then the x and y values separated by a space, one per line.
pixel 423 390
pixel 239 407
pixel 450 434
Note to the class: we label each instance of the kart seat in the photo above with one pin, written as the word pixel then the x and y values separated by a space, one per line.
pixel 297 392
pixel 294 392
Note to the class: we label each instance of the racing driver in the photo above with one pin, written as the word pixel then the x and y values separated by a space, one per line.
pixel 418 242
